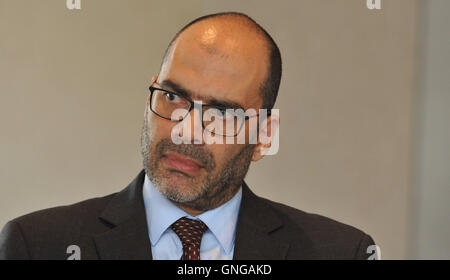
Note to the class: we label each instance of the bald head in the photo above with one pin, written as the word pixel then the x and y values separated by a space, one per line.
pixel 239 41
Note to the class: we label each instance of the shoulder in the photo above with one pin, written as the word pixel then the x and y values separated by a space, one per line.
pixel 330 238
pixel 42 233
pixel 65 215
pixel 309 221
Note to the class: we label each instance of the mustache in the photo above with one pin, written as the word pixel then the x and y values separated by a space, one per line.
pixel 199 153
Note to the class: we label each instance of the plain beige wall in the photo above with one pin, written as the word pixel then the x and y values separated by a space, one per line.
pixel 431 173
pixel 74 83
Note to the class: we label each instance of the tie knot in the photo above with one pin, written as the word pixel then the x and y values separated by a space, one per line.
pixel 189 231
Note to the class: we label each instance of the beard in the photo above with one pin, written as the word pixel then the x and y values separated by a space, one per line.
pixel 219 184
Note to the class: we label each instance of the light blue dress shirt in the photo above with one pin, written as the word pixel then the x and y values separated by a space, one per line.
pixel 218 240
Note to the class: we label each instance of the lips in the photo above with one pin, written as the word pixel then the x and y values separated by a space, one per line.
pixel 181 163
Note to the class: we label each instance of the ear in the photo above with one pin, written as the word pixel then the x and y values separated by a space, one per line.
pixel 266 135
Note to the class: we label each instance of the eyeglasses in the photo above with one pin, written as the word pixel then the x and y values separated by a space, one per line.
pixel 217 120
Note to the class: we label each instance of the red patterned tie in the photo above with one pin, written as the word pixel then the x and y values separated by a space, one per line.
pixel 190 233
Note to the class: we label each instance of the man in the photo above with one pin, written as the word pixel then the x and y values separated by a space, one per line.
pixel 190 201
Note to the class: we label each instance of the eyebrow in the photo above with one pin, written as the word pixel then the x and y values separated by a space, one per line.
pixel 209 100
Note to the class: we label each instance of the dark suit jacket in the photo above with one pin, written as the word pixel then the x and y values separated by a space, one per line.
pixel 115 227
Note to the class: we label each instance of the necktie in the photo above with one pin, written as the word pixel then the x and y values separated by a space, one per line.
pixel 190 233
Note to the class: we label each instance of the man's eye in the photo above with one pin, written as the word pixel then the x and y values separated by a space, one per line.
pixel 226 114
pixel 170 96
pixel 222 111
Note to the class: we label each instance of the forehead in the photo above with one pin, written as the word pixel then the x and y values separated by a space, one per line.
pixel 209 64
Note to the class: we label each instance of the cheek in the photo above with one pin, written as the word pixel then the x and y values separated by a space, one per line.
pixel 223 153
pixel 159 128
pixel 247 133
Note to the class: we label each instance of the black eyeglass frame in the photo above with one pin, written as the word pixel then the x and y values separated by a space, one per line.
pixel 192 105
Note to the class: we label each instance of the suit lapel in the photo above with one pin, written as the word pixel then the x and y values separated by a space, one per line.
pixel 128 236
pixel 256 221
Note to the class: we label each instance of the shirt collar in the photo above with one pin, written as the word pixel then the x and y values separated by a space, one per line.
pixel 221 221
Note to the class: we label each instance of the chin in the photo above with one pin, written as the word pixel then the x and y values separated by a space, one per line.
pixel 180 194
pixel 182 185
